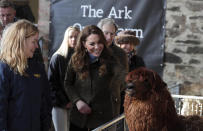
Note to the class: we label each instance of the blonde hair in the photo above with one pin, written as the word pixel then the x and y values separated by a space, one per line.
pixel 63 49
pixel 13 44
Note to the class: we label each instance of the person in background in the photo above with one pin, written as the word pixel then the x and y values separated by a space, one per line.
pixel 128 41
pixel 7 12
pixel 56 74
pixel 91 81
pixel 109 28
pixel 25 103
pixel 8 16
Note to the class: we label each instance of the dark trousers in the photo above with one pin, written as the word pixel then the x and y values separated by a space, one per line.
pixel 122 102
pixel 76 128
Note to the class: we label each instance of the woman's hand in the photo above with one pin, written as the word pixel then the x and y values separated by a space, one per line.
pixel 69 105
pixel 83 107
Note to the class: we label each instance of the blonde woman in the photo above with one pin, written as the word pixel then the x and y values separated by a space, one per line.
pixel 56 73
pixel 25 103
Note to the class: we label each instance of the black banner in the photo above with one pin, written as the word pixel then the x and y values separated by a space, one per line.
pixel 145 17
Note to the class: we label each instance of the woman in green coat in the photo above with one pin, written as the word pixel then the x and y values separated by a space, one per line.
pixel 91 81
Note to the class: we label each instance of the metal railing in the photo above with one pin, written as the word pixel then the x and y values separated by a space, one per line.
pixel 117 124
pixel 188 105
pixel 194 105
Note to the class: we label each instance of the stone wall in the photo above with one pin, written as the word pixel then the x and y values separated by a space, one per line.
pixel 43 25
pixel 184 45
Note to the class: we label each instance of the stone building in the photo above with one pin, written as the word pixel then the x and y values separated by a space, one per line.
pixel 183 61
pixel 184 45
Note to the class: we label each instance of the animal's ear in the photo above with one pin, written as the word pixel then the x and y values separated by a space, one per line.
pixel 158 83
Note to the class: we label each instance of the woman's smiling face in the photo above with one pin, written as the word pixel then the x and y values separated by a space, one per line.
pixel 127 47
pixel 93 45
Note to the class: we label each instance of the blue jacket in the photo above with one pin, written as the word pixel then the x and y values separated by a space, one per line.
pixel 25 103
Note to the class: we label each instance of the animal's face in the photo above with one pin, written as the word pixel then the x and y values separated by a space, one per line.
pixel 138 89
pixel 141 83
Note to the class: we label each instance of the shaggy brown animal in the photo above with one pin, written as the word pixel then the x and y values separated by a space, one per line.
pixel 148 105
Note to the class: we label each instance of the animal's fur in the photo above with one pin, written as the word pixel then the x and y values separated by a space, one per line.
pixel 148 105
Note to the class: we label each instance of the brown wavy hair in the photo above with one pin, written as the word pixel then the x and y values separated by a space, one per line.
pixel 80 58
